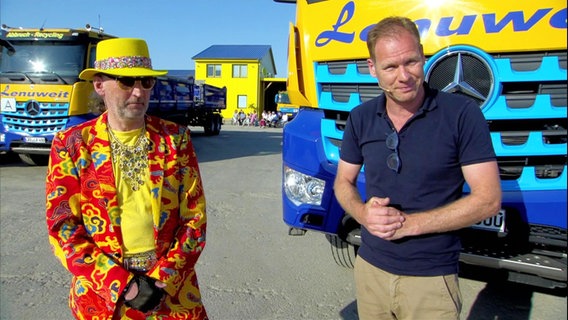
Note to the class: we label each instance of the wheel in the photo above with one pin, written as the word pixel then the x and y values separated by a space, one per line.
pixel 217 122
pixel 34 159
pixel 209 126
pixel 343 252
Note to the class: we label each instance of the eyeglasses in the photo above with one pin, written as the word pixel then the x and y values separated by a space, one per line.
pixel 393 160
pixel 127 83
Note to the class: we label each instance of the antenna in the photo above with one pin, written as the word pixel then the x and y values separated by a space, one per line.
pixel 42 25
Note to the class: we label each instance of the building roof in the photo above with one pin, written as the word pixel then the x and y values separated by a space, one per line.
pixel 182 74
pixel 230 52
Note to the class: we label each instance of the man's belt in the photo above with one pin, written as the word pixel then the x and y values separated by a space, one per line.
pixel 140 262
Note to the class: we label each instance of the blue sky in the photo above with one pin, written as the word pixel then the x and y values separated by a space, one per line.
pixel 175 30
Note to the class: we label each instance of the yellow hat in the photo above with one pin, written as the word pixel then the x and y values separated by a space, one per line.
pixel 122 57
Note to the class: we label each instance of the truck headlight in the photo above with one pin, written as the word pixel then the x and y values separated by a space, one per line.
pixel 303 189
pixel 2 138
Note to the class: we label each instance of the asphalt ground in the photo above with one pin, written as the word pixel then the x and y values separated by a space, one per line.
pixel 251 268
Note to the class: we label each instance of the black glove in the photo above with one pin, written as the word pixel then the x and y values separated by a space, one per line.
pixel 148 297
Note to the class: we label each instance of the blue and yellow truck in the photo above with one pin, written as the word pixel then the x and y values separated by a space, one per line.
pixel 510 56
pixel 40 90
pixel 284 105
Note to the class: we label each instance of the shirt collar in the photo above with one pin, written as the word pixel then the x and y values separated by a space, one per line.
pixel 428 104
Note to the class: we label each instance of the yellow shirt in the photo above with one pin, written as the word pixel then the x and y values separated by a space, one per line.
pixel 136 220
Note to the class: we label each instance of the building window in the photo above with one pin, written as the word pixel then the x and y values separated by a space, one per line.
pixel 242 101
pixel 213 71
pixel 239 71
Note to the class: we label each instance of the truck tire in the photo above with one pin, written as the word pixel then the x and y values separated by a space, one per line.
pixel 217 122
pixel 212 125
pixel 34 159
pixel 208 126
pixel 343 252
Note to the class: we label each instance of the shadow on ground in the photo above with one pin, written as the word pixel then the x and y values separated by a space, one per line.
pixel 502 299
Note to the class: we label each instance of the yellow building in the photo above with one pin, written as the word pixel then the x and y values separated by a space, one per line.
pixel 246 70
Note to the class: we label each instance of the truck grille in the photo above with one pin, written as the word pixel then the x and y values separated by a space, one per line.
pixel 39 119
pixel 523 97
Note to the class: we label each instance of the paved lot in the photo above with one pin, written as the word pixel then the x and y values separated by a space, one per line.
pixel 250 269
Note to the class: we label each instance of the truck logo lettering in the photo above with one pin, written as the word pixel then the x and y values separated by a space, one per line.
pixel 5 92
pixel 36 34
pixel 516 18
pixel 444 26
pixel 344 16
pixel 34 94
pixel 491 24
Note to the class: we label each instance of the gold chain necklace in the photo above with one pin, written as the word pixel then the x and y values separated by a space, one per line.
pixel 132 160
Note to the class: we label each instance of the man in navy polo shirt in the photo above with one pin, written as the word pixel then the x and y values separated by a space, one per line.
pixel 418 147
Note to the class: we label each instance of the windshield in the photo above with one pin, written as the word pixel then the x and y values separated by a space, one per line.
pixel 283 98
pixel 64 60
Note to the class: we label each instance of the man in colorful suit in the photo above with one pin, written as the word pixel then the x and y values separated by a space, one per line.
pixel 125 202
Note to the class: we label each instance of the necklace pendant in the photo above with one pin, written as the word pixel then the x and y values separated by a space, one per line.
pixel 131 160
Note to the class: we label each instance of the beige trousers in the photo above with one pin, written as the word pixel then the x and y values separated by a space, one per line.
pixel 383 295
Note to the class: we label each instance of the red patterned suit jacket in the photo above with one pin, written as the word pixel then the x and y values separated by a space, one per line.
pixel 83 219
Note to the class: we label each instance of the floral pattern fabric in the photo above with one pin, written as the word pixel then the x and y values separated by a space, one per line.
pixel 83 220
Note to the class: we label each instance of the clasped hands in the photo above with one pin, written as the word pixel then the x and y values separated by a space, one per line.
pixel 144 293
pixel 382 220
